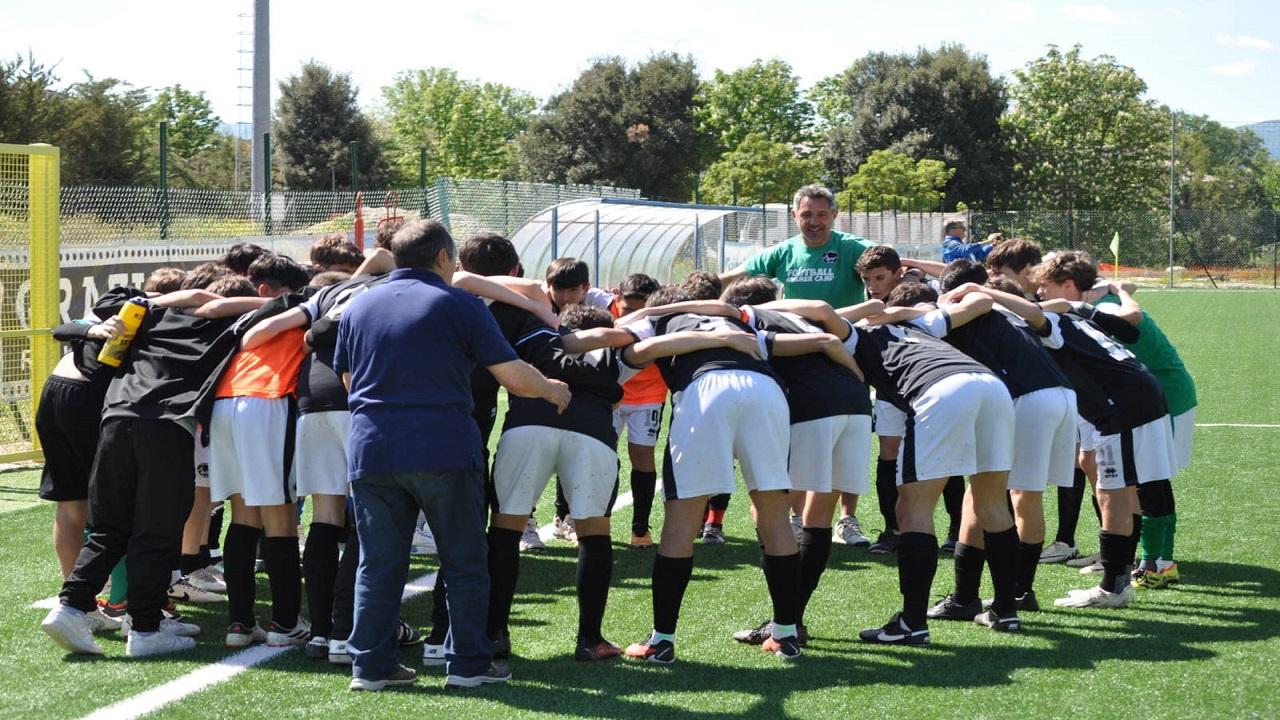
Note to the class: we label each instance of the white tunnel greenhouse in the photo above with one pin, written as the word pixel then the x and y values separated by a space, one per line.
pixel 617 236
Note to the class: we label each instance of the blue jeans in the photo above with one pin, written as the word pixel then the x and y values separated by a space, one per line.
pixel 386 510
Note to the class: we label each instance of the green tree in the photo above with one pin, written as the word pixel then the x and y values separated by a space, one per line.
pixel 1083 137
pixel 1271 183
pixel 193 134
pixel 762 98
pixel 31 109
pixel 757 164
pixel 316 121
pixel 941 104
pixel 632 127
pixel 897 181
pixel 1218 166
pixel 104 140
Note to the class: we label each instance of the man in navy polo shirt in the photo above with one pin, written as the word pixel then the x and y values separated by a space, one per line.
pixel 406 350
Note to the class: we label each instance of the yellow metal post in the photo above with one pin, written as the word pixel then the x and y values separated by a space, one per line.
pixel 43 184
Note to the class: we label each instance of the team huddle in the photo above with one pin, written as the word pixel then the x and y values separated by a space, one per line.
pixel 372 389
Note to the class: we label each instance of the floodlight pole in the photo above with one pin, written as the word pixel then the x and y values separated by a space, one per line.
pixel 261 90
pixel 1173 134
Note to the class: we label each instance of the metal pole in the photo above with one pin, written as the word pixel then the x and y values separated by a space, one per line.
pixel 596 248
pixel 734 185
pixel 422 169
pixel 1173 130
pixel 355 166
pixel 697 243
pixel 764 213
pixel 164 180
pixel 555 232
pixel 266 183
pixel 724 234
pixel 261 92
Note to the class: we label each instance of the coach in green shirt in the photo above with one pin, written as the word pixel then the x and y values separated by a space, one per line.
pixel 819 263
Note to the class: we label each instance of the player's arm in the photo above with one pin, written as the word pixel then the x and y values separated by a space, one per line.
pixel 899 314
pixel 728 278
pixel 487 287
pixel 184 298
pixel 1015 304
pixel 928 267
pixel 968 308
pixel 581 341
pixel 1129 310
pixel 679 343
pixel 861 311
pixel 267 328
pixel 521 378
pixel 788 344
pixel 699 307
pixel 230 307
pixel 379 262
pixel 1058 306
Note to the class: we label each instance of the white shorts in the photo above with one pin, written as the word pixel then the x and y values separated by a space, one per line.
pixel 320 462
pixel 251 450
pixel 1044 440
pixel 527 457
pixel 201 462
pixel 1131 457
pixel 890 421
pixel 643 422
pixel 727 414
pixel 831 454
pixel 1087 433
pixel 1184 426
pixel 960 425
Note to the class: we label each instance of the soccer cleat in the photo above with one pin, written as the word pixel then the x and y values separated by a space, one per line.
pixel 787 648
pixel 497 672
pixel 208 579
pixel 1094 568
pixel 1156 579
pixel 896 632
pixel 530 540
pixel 1026 602
pixel 173 626
pixel 603 650
pixel 102 621
pixel 999 623
pixel 424 543
pixel 712 534
pixel 949 545
pixel 288 637
pixel 886 543
pixel 1096 597
pixel 338 652
pixel 1058 552
pixel 948 609
pixel 849 532
pixel 71 629
pixel 183 591
pixel 763 631
pixel 564 529
pixel 642 541
pixel 407 635
pixel 662 652
pixel 317 648
pixel 400 676
pixel 1080 561
pixel 240 635
pixel 433 652
pixel 142 644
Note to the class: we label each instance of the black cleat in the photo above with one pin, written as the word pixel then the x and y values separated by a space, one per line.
pixel 948 609
pixel 886 543
pixel 896 632
pixel 1007 623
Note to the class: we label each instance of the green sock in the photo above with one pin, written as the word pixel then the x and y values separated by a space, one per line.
pixel 119 584
pixel 1171 527
pixel 1152 538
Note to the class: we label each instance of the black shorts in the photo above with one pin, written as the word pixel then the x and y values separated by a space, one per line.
pixel 67 423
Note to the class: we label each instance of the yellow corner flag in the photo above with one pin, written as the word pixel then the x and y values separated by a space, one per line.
pixel 1115 252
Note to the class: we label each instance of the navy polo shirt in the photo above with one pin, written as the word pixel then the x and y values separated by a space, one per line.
pixel 410 345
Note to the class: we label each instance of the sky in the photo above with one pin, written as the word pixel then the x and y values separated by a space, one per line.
pixel 1209 58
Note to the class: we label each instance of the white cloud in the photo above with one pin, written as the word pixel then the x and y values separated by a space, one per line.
pixel 1093 13
pixel 1245 41
pixel 1018 12
pixel 1234 69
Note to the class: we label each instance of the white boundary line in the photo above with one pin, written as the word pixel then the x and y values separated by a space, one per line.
pixel 193 682
pixel 1235 425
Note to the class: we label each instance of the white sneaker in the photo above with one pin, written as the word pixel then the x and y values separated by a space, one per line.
pixel 433 655
pixel 1094 568
pixel 1080 561
pixel 71 629
pixel 1096 597
pixel 239 636
pixel 849 532
pixel 167 625
pixel 530 540
pixel 564 529
pixel 1058 552
pixel 208 579
pixel 424 543
pixel 288 637
pixel 338 652
pixel 184 592
pixel 142 644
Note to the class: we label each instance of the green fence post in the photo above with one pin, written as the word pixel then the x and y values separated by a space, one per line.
pixel 355 166
pixel 266 183
pixel 164 180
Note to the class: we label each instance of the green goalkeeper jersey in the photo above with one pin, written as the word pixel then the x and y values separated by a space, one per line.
pixel 1155 351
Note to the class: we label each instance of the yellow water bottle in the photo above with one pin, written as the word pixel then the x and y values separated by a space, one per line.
pixel 131 315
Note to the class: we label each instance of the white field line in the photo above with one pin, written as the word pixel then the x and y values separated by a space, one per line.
pixel 1235 425
pixel 227 668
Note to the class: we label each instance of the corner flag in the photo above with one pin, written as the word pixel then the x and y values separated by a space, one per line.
pixel 1115 252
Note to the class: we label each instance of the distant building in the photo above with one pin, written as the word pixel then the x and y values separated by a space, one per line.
pixel 1269 131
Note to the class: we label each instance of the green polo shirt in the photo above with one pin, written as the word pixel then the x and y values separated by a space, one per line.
pixel 823 273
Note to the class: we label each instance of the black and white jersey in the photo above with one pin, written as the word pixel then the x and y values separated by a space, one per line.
pixel 512 321
pixel 816 386
pixel 900 362
pixel 1114 391
pixel 1003 343
pixel 680 371
pixel 320 389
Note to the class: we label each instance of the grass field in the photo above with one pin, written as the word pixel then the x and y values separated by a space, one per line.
pixel 1206 648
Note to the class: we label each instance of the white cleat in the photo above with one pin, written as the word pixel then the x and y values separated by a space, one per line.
pixel 71 629
pixel 142 644
pixel 1096 597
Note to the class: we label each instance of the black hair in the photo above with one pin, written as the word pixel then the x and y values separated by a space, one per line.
pixel 961 271
pixel 278 271
pixel 419 243
pixel 488 254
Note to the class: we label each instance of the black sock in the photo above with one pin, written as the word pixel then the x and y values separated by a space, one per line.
pixel 815 550
pixel 562 505
pixel 1028 562
pixel 285 579
pixel 782 575
pixel 642 487
pixel 215 528
pixel 188 564
pixel 1002 558
pixel 1069 499
pixel 917 564
pixel 887 492
pixel 595 572
pixel 205 559
pixel 237 570
pixel 953 499
pixel 670 578
pixel 320 573
pixel 969 561
pixel 344 588
pixel 504 570
pixel 1115 551
pixel 439 612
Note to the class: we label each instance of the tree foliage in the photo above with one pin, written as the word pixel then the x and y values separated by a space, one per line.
pixel 1218 166
pixel 316 121
pixel 757 165
pixel 891 179
pixel 196 148
pixel 941 104
pixel 762 98
pixel 103 141
pixel 467 128
pixel 616 125
pixel 1271 183
pixel 32 110
pixel 1083 137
